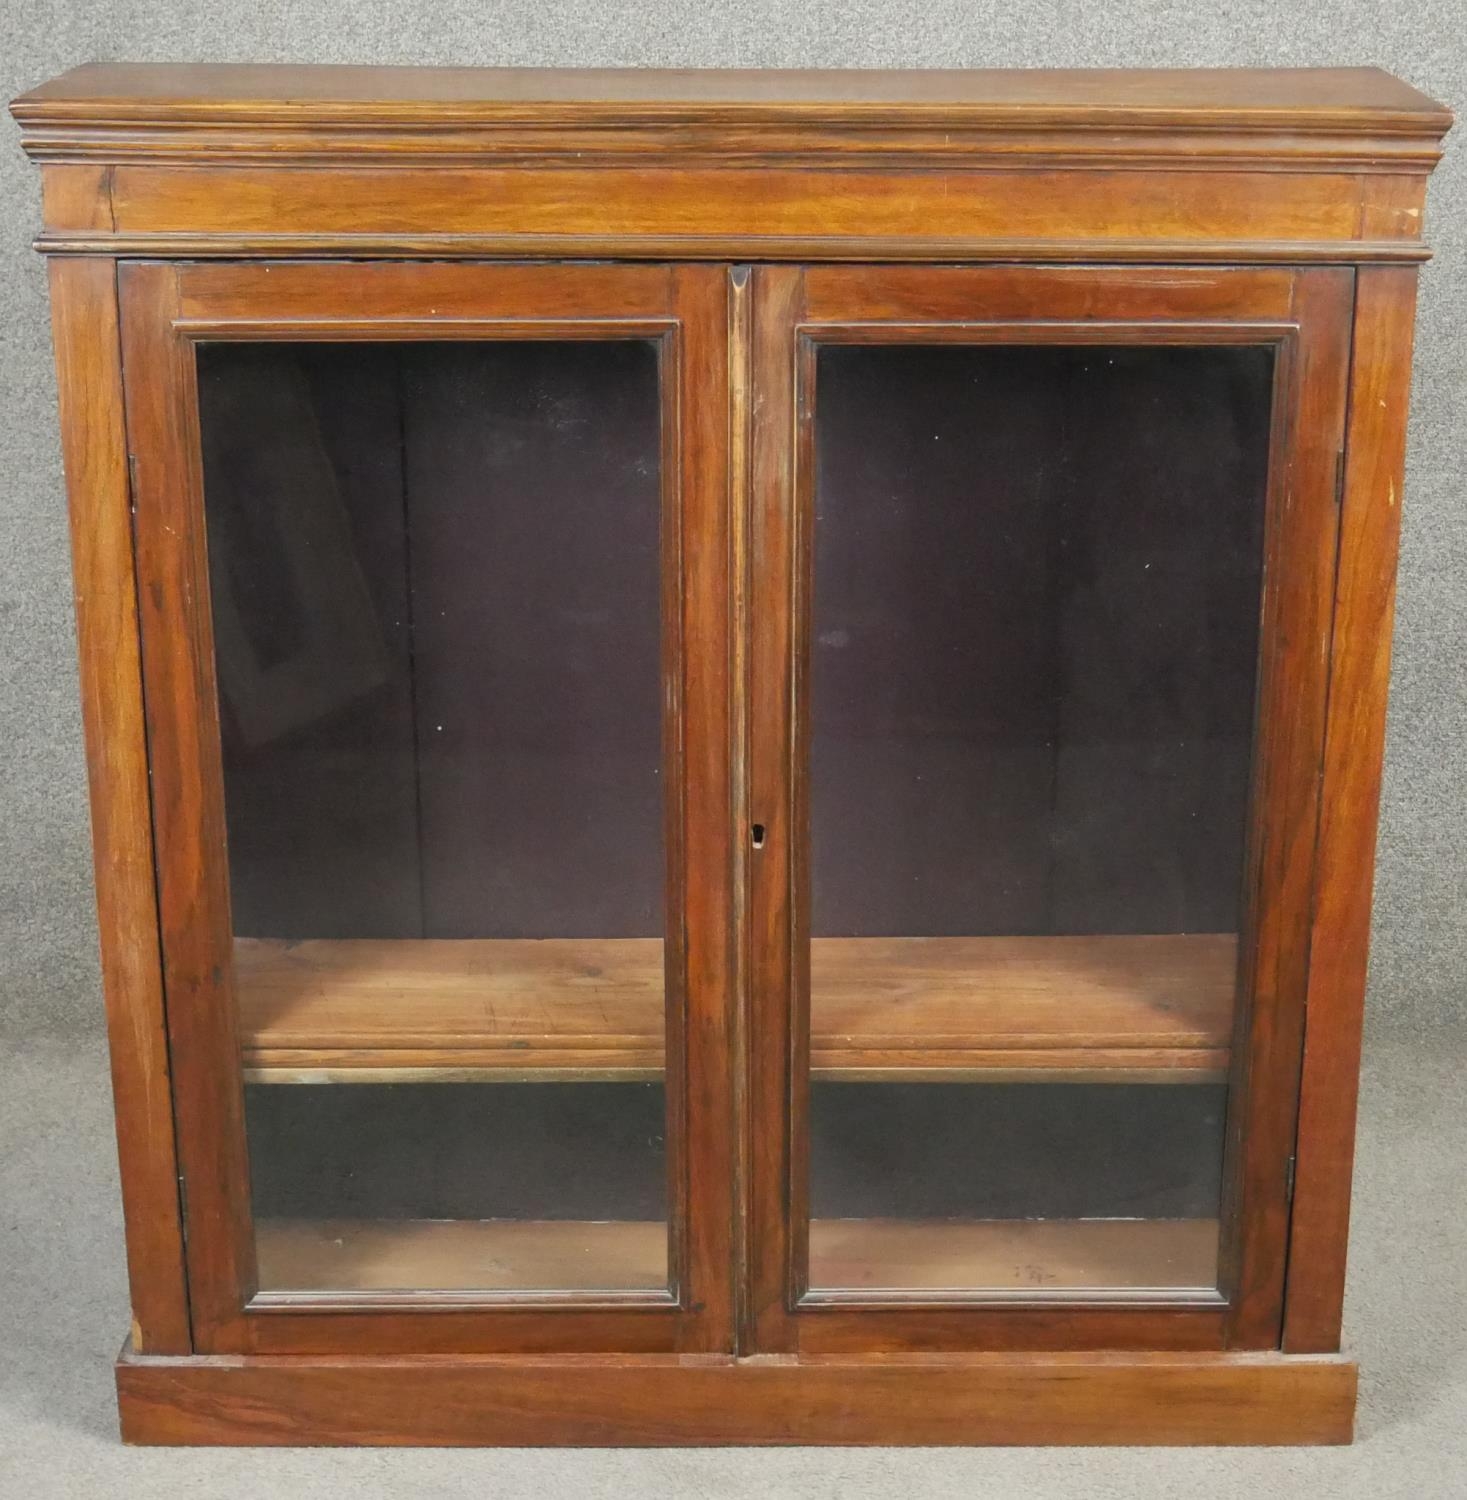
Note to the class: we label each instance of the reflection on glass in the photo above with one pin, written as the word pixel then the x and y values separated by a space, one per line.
pixel 435 586
pixel 1035 631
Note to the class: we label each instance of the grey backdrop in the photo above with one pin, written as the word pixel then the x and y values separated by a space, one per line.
pixel 48 971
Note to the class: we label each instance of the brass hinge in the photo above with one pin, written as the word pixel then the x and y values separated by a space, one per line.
pixel 1340 477
pixel 183 1203
pixel 1289 1178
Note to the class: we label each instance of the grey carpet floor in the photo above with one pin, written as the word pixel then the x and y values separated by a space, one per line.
pixel 63 1312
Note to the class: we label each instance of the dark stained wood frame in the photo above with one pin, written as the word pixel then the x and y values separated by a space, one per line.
pixel 1305 315
pixel 84 320
pixel 1354 745
pixel 1272 170
pixel 595 1401
pixel 165 311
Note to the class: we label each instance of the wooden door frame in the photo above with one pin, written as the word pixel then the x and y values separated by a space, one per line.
pixel 166 308
pixel 1306 315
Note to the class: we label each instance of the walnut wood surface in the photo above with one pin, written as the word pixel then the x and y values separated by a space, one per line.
pixel 1305 313
pixel 739 110
pixel 1092 94
pixel 94 442
pixel 1095 1398
pixel 1299 568
pixel 449 1255
pixel 567 1008
pixel 1204 191
pixel 1233 165
pixel 1364 606
pixel 1025 1257
pixel 165 308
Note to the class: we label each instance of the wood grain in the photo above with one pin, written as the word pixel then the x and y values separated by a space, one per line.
pixel 188 811
pixel 698 615
pixel 936 1008
pixel 448 1255
pixel 1093 95
pixel 775 1039
pixel 1031 1259
pixel 166 309
pixel 1355 116
pixel 553 1009
pixel 733 201
pixel 1234 165
pixel 1305 314
pixel 94 443
pixel 1099 1398
pixel 1060 1008
pixel 1299 564
pixel 1028 1258
pixel 1205 191
pixel 1364 602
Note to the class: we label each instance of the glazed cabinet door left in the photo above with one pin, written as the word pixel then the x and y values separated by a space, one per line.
pixel 432 587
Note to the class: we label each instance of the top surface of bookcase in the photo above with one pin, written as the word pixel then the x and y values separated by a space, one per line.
pixel 1340 98
pixel 1302 109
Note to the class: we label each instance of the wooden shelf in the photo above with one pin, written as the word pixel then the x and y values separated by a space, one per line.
pixel 1030 1256
pixel 1107 1009
pixel 482 1255
pixel 1026 1256
pixel 372 1010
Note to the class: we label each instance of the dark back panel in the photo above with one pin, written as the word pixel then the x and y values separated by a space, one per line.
pixel 1035 635
pixel 436 574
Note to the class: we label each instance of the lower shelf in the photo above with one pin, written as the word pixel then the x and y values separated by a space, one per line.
pixel 1039 1256
pixel 1029 1256
pixel 1127 1008
pixel 490 1255
pixel 654 1400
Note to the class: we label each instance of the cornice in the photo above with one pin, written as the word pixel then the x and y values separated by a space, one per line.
pixel 853 141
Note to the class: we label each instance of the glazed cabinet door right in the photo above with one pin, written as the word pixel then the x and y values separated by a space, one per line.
pixel 1040 575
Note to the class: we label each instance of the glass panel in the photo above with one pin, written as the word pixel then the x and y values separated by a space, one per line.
pixel 435 580
pixel 1035 636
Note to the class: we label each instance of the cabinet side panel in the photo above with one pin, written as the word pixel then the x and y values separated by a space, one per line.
pixel 94 443
pixel 1355 737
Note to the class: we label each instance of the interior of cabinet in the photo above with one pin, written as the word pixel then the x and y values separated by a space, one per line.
pixel 1022 1257
pixel 1034 594
pixel 566 1180
pixel 1069 1008
pixel 436 599
pixel 439 868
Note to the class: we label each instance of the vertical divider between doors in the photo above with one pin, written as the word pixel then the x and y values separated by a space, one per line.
pixel 778 293
pixel 701 590
pixel 740 458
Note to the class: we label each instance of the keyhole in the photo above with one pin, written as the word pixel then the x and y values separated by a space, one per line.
pixel 758 832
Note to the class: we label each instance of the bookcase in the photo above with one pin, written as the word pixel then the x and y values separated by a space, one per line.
pixel 734 724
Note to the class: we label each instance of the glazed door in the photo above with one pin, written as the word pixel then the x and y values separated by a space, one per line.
pixel 432 568
pixel 1041 562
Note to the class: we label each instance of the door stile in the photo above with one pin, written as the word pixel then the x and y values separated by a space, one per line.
pixel 776 305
